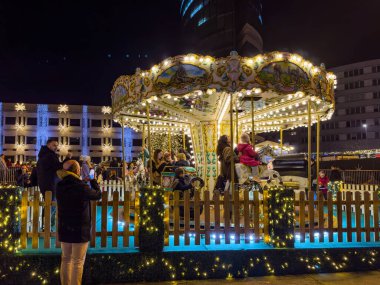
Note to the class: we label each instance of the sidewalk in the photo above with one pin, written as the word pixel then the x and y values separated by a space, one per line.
pixel 345 278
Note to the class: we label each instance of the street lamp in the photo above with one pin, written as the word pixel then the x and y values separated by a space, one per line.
pixel 365 126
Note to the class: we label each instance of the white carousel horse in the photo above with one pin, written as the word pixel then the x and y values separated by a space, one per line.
pixel 140 171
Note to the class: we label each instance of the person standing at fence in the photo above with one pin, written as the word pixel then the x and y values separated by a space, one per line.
pixel 74 220
pixel 323 181
pixel 47 165
pixel 3 168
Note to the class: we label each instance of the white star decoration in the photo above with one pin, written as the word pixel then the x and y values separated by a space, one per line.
pixel 63 108
pixel 106 110
pixel 20 107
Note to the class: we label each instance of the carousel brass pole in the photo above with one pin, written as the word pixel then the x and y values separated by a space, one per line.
pixel 143 145
pixel 123 152
pixel 253 122
pixel 232 143
pixel 309 144
pixel 318 146
pixel 237 121
pixel 170 141
pixel 281 140
pixel 150 147
pixel 184 140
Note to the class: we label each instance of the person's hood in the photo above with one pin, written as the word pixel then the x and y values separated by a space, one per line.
pixel 64 173
pixel 44 151
pixel 241 146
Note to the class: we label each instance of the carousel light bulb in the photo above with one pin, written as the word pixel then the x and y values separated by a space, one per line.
pixel 166 63
pixel 259 58
pixel 257 90
pixel 186 58
pixel 155 68
pixel 279 55
pixel 248 92
pixel 192 58
pixel 250 61
pixel 209 91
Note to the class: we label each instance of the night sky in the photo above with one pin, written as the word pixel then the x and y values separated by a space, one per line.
pixel 72 51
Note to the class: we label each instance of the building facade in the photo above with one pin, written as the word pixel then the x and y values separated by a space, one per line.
pixel 355 124
pixel 217 27
pixel 81 130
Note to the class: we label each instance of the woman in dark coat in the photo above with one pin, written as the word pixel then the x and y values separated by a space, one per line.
pixel 74 220
pixel 224 153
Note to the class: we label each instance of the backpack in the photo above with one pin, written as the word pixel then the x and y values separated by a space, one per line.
pixel 220 184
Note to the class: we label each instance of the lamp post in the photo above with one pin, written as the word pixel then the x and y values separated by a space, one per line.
pixel 365 127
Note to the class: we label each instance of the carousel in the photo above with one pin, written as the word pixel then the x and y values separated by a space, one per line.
pixel 197 98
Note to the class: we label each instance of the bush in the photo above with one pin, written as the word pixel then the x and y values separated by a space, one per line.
pixel 151 222
pixel 10 204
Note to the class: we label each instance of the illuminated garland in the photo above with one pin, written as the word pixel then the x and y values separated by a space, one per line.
pixel 281 217
pixel 10 202
pixel 334 188
pixel 151 222
pixel 124 267
pixel 160 141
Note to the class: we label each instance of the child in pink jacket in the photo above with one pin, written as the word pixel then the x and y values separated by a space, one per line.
pixel 247 155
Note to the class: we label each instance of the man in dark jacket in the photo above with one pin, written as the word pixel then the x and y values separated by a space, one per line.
pixel 47 165
pixel 74 220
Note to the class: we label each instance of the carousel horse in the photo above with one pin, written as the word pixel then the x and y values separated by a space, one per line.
pixel 140 176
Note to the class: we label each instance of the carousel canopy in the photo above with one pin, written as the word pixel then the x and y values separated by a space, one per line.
pixel 190 89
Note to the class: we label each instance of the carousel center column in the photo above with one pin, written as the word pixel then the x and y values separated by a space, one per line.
pixel 209 139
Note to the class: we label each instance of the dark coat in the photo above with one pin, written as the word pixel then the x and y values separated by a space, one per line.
pixel 182 163
pixel 225 163
pixel 47 166
pixel 74 211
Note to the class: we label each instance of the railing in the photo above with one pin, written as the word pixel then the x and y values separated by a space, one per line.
pixel 209 218
pixel 9 175
pixel 371 177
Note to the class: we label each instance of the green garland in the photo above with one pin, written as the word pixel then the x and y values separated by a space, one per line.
pixel 151 222
pixel 161 141
pixel 137 267
pixel 10 201
pixel 281 217
pixel 334 188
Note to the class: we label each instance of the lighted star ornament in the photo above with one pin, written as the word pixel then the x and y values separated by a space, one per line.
pixel 63 109
pixel 106 110
pixel 20 107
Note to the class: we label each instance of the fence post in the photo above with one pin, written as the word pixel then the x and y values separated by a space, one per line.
pixel 104 220
pixel 126 206
pixel 206 194
pixel 36 216
pixel 115 218
pixel 47 219
pixel 376 215
pixel 24 218
pixel 176 217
